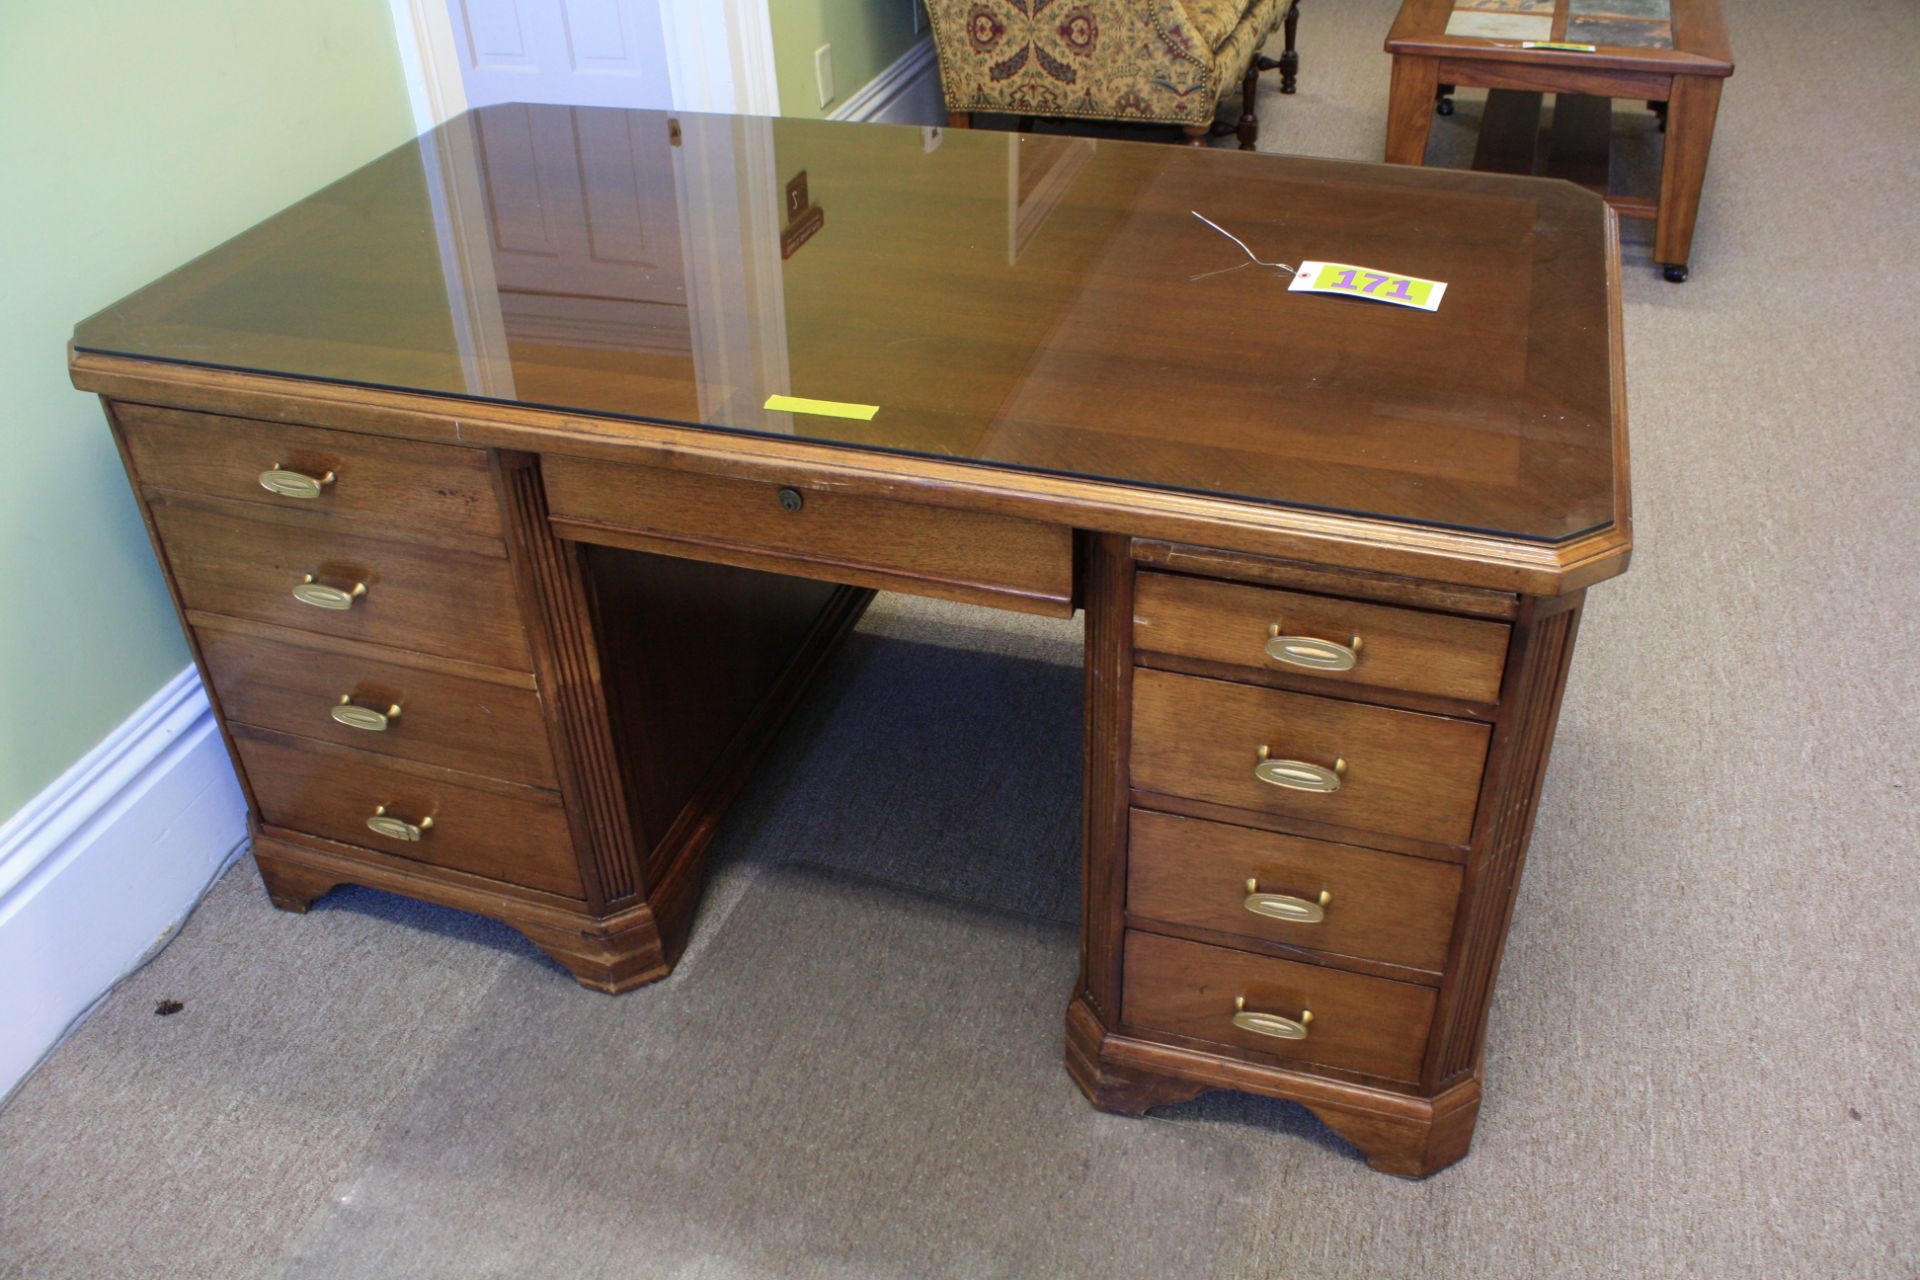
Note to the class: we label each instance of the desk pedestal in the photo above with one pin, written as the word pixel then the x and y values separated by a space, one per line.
pixel 1370 997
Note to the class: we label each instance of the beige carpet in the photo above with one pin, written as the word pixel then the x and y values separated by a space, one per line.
pixel 1703 1051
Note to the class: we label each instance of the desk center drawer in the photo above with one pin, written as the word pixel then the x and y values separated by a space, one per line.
pixel 974 556
pixel 1343 763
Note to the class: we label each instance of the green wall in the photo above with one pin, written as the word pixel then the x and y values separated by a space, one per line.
pixel 133 136
pixel 866 36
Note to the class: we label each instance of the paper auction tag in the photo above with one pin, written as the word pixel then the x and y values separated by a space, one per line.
pixel 1347 280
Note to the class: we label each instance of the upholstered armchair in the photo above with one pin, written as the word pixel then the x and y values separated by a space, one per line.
pixel 1166 61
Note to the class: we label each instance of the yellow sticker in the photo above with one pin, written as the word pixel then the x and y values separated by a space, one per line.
pixel 829 408
pixel 1558 44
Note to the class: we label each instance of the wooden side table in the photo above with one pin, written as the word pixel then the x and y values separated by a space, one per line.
pixel 1672 54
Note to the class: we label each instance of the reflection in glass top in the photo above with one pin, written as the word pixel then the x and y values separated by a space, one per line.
pixel 1047 304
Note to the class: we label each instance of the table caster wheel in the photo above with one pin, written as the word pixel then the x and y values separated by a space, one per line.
pixel 1443 107
pixel 1676 272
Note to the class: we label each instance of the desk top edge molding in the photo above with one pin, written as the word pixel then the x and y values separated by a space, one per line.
pixel 1346 541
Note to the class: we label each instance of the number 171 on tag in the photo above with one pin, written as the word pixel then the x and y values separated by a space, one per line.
pixel 1343 279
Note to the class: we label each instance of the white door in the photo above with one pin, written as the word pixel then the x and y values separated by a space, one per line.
pixel 591 53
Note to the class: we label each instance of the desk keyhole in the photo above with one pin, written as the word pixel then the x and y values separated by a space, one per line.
pixel 790 500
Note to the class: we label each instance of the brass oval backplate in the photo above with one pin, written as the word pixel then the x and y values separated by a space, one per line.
pixel 355 717
pixel 322 596
pixel 1312 653
pixel 1270 1024
pixel 1298 775
pixel 1281 906
pixel 384 824
pixel 294 484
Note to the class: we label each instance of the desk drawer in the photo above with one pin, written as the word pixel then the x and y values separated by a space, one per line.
pixel 1407 774
pixel 492 829
pixel 816 533
pixel 1400 649
pixel 431 493
pixel 272 679
pixel 1380 906
pixel 1370 1025
pixel 236 559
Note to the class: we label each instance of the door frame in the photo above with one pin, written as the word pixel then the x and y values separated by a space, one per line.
pixel 719 57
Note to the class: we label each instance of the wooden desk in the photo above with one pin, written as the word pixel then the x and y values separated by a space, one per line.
pixel 1673 54
pixel 501 574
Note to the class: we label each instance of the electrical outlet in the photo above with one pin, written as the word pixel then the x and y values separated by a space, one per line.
pixel 823 72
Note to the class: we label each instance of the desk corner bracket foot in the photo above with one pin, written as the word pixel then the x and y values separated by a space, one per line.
pixel 612 958
pixel 291 886
pixel 1112 1085
pixel 1414 1142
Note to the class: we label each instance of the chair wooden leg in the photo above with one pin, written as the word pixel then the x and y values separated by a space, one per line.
pixel 959 119
pixel 1249 127
pixel 1290 56
pixel 1196 134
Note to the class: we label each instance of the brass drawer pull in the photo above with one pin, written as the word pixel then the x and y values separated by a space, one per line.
pixel 1270 1024
pixel 363 717
pixel 1310 652
pixel 1299 775
pixel 1280 906
pixel 294 484
pixel 322 596
pixel 381 824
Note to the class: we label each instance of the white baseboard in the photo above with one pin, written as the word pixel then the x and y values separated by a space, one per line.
pixel 105 862
pixel 907 92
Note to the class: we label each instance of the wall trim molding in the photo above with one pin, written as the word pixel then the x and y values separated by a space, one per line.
pixel 899 79
pixel 105 861
pixel 749 26
pixel 430 59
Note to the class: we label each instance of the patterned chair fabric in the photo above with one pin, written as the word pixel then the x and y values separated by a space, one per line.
pixel 1169 61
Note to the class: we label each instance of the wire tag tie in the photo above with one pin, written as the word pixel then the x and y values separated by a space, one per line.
pixel 1251 257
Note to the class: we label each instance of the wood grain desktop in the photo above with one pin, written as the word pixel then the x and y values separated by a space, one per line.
pixel 502 576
